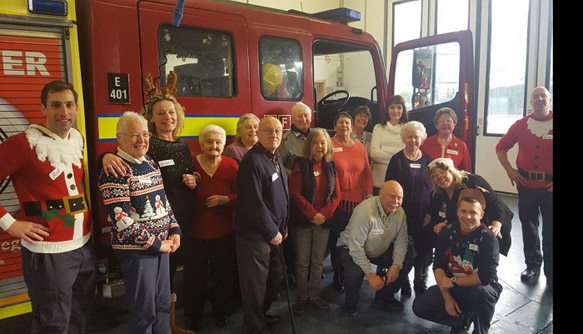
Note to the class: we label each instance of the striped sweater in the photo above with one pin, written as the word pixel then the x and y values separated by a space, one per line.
pixel 137 206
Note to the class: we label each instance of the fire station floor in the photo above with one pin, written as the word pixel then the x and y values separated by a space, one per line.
pixel 522 308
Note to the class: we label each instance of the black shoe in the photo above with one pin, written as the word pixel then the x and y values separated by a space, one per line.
pixel 222 321
pixel 272 319
pixel 299 307
pixel 196 324
pixel 529 274
pixel 338 282
pixel 458 330
pixel 351 310
pixel 390 304
pixel 406 289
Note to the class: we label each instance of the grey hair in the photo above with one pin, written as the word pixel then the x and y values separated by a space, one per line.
pixel 414 125
pixel 301 105
pixel 307 149
pixel 127 117
pixel 211 128
pixel 242 120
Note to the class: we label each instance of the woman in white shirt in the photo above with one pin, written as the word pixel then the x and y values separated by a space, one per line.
pixel 386 139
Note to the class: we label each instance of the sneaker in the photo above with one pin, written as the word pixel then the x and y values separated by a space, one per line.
pixel 390 304
pixel 299 307
pixel 320 304
pixel 351 310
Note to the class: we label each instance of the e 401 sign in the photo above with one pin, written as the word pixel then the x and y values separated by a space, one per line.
pixel 118 88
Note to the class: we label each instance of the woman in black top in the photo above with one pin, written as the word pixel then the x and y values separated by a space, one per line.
pixel 447 182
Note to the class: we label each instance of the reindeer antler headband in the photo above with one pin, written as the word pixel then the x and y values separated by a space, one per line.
pixel 153 91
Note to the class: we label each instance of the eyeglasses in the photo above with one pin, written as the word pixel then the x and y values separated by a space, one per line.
pixel 135 135
pixel 270 131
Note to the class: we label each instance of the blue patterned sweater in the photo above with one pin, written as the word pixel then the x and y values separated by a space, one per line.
pixel 137 206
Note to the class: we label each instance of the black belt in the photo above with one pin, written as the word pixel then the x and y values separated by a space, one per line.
pixel 535 176
pixel 70 204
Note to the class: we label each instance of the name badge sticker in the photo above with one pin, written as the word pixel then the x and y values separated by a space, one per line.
pixel 474 247
pixel 338 149
pixel 548 137
pixel 415 165
pixel 144 179
pixel 274 177
pixel 452 152
pixel 166 163
pixel 57 171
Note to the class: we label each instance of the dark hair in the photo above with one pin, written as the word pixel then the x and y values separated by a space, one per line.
pixel 395 99
pixel 362 110
pixel 343 114
pixel 56 86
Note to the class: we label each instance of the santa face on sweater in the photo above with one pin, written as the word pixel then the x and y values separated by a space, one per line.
pixel 60 112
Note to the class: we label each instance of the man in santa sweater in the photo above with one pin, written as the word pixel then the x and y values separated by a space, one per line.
pixel 534 180
pixel 58 261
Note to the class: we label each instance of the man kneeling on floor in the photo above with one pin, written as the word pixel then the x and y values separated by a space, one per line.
pixel 376 233
pixel 463 293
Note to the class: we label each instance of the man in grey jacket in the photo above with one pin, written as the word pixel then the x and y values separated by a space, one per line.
pixel 376 234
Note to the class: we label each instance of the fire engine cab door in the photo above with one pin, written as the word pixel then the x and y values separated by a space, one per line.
pixel 208 52
pixel 435 72
pixel 280 62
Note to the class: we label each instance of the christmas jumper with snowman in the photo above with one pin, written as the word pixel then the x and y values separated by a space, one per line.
pixel 137 206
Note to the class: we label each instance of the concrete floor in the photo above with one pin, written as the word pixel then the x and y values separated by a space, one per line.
pixel 522 308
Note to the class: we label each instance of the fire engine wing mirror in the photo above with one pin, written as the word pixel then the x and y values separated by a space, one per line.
pixel 422 65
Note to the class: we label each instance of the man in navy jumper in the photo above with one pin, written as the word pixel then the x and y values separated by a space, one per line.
pixel 261 225
pixel 465 266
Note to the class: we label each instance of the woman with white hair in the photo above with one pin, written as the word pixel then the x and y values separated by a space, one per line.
pixel 211 248
pixel 144 231
pixel 408 168
pixel 247 127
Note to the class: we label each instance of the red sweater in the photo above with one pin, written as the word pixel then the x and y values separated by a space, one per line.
pixel 353 171
pixel 218 221
pixel 305 207
pixel 456 150
pixel 535 146
pixel 48 177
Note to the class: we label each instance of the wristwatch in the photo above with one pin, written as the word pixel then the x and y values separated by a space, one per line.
pixel 454 281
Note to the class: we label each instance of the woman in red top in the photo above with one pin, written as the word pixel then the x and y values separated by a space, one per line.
pixel 212 243
pixel 355 176
pixel 314 194
pixel 444 144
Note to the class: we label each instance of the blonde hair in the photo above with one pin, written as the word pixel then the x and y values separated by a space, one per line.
pixel 308 144
pixel 446 164
pixel 148 113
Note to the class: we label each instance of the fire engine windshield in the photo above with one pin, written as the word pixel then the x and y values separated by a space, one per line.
pixel 344 79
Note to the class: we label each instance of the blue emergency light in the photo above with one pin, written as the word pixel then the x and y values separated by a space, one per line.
pixel 342 15
pixel 49 7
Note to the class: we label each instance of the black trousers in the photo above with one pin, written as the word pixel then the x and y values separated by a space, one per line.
pixel 60 287
pixel 259 272
pixel 478 303
pixel 354 276
pixel 532 204
pixel 211 263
